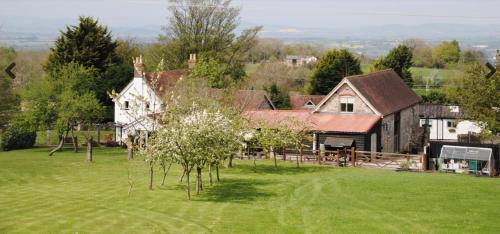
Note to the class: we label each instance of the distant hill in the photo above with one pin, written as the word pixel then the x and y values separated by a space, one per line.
pixel 34 33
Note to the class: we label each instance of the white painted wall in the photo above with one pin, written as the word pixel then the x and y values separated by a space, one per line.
pixel 138 94
pixel 439 129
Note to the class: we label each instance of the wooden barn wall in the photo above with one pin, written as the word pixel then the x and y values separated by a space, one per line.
pixel 362 140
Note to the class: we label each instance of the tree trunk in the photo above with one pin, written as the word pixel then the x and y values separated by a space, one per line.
pixel 188 190
pixel 284 155
pixel 58 147
pixel 254 163
pixel 217 172
pixel 130 152
pixel 130 147
pixel 300 150
pixel 182 176
pixel 150 175
pixel 210 181
pixel 165 172
pixel 199 185
pixel 73 140
pixel 89 149
pixel 275 160
pixel 230 163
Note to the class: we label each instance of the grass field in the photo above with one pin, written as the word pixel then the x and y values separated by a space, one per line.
pixel 65 194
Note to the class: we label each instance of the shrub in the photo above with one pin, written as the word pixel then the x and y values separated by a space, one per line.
pixel 18 135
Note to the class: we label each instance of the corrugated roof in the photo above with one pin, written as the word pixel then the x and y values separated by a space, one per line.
pixel 385 91
pixel 297 102
pixel 316 121
pixel 440 111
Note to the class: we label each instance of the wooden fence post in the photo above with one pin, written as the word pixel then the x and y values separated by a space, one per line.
pixel 353 156
pixel 321 152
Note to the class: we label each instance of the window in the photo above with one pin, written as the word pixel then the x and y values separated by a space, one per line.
pixel 346 104
pixel 126 105
pixel 309 104
pixel 452 124
pixel 427 122
pixel 147 106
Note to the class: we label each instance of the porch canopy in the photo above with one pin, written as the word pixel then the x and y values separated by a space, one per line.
pixel 339 142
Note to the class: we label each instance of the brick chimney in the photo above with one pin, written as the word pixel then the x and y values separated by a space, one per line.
pixel 138 67
pixel 192 61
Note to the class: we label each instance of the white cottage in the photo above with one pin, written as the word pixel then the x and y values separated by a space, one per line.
pixel 138 104
pixel 141 98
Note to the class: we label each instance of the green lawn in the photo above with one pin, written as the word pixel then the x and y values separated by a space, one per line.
pixel 65 194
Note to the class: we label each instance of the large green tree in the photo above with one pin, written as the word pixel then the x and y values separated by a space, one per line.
pixel 91 45
pixel 206 27
pixel 445 53
pixel 8 99
pixel 62 101
pixel 331 69
pixel 398 59
pixel 479 97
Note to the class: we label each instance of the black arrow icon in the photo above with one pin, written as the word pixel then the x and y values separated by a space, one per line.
pixel 492 70
pixel 9 70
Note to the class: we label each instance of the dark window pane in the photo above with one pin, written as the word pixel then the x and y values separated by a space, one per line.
pixel 343 107
pixel 350 107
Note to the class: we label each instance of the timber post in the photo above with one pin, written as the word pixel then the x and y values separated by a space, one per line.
pixel 353 156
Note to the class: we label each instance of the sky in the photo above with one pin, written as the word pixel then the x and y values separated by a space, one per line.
pixel 281 13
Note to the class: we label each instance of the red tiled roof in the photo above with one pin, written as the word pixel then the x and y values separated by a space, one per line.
pixel 297 102
pixel 166 80
pixel 385 91
pixel 252 100
pixel 244 99
pixel 316 121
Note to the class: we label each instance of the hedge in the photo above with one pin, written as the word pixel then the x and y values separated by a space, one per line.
pixel 18 135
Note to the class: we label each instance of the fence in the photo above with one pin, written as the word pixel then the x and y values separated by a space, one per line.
pixel 101 133
pixel 344 157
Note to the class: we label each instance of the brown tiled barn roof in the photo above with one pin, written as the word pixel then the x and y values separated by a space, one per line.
pixel 385 91
pixel 297 102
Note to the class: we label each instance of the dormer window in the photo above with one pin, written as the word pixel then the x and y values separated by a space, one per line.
pixel 346 104
pixel 309 104
pixel 126 105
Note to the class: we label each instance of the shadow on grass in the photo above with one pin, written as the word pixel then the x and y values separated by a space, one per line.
pixel 236 190
pixel 286 169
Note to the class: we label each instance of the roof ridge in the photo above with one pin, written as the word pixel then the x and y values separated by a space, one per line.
pixel 371 73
